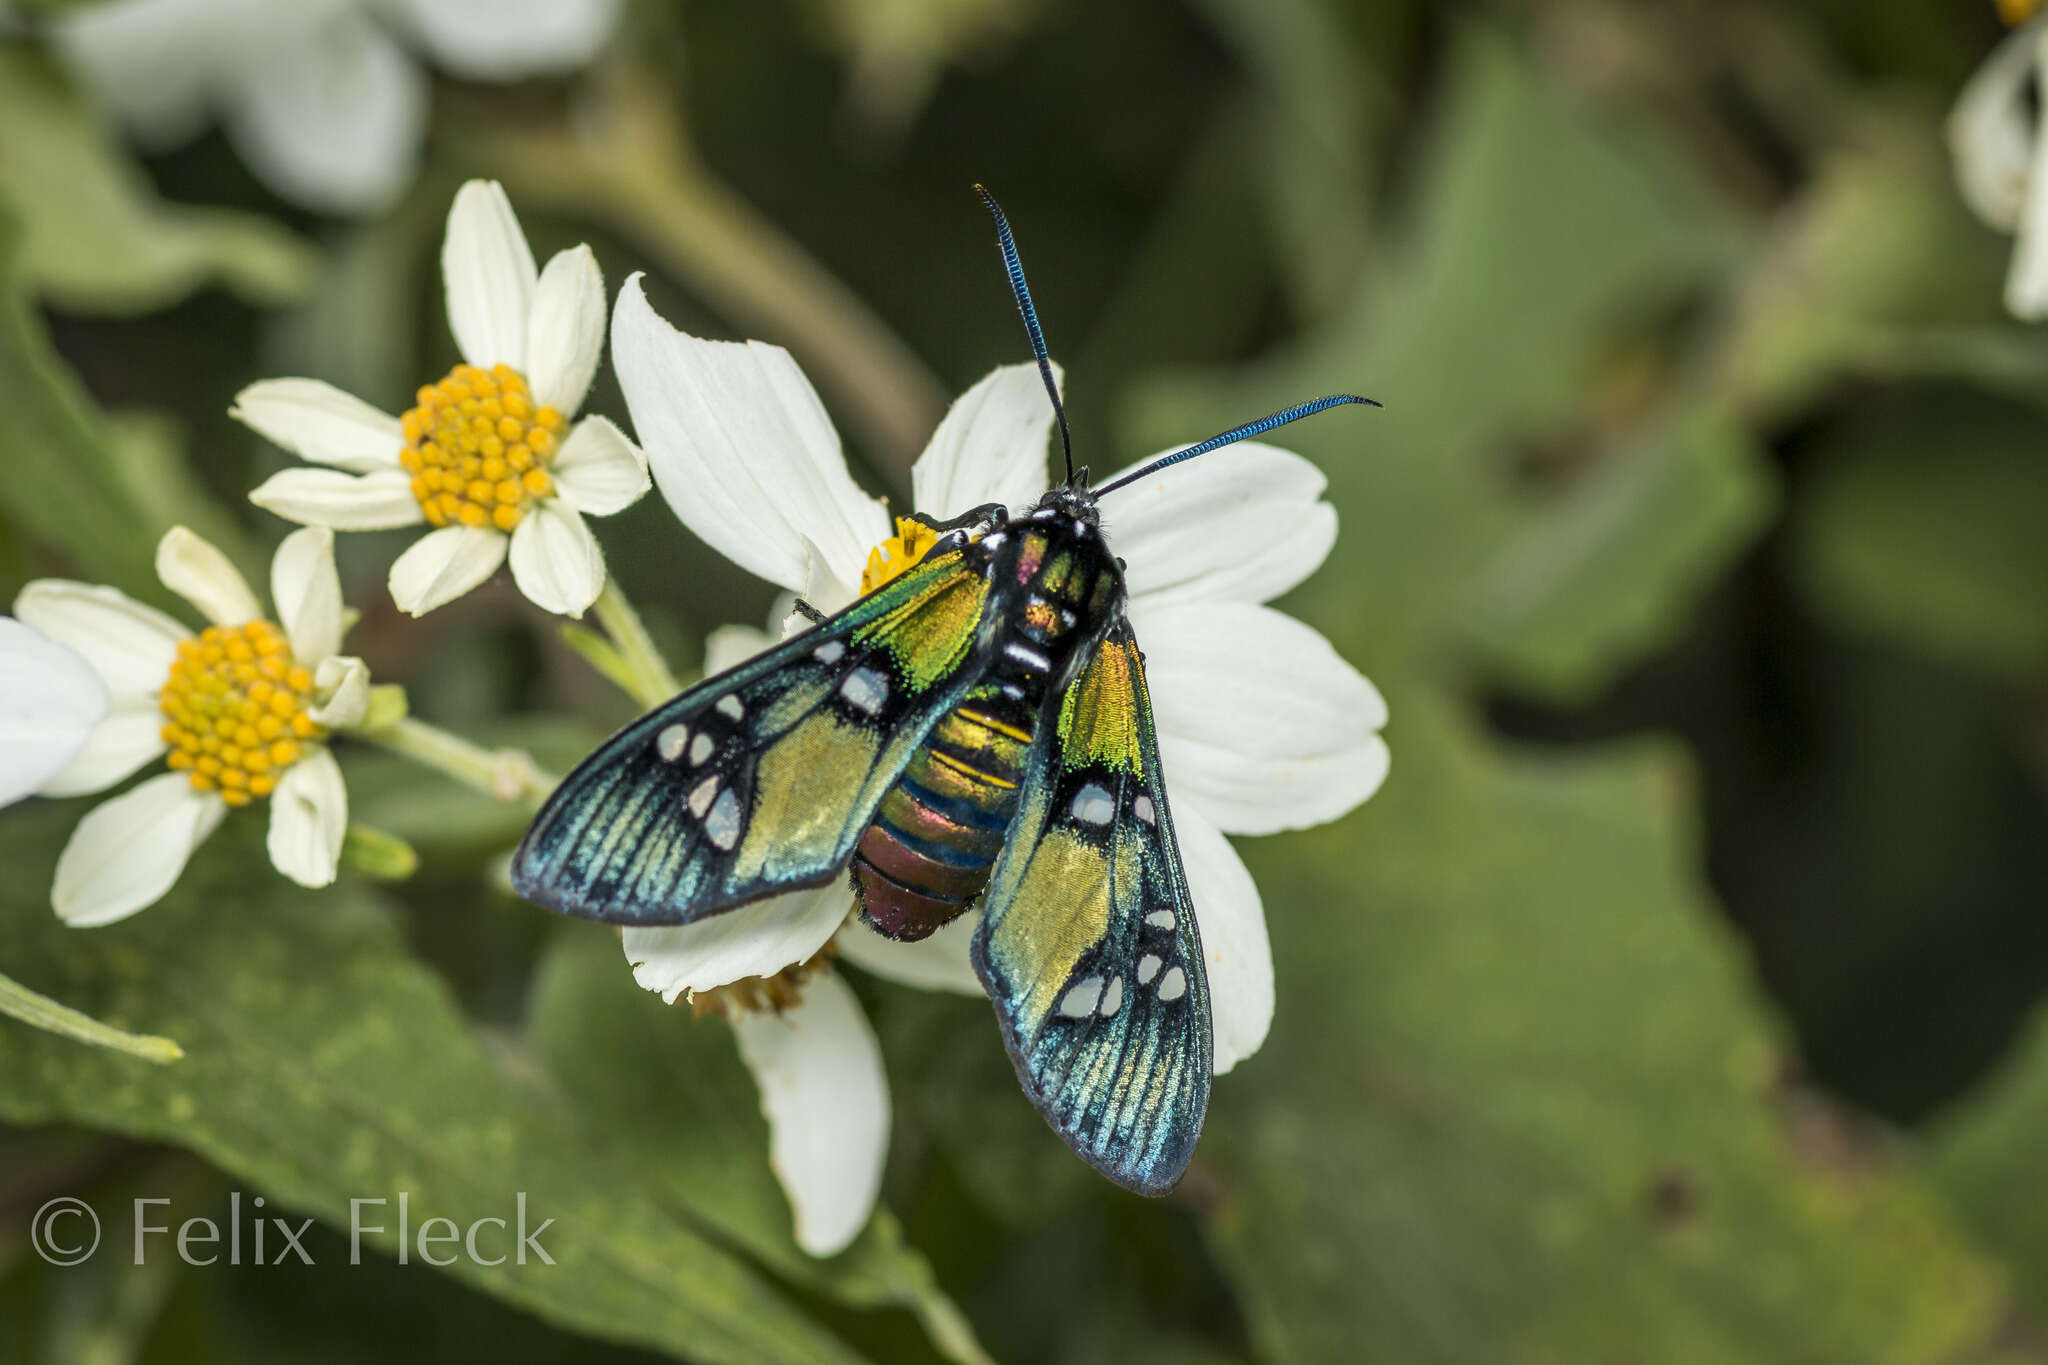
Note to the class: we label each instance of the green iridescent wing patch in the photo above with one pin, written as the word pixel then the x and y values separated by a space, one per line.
pixel 761 780
pixel 1088 944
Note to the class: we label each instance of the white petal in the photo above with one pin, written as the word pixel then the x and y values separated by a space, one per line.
pixel 442 565
pixel 1262 726
pixel 128 736
pixel 345 682
pixel 329 112
pixel 2026 282
pixel 129 645
pixel 826 587
pixel 318 422
pixel 990 447
pixel 152 62
pixel 598 469
pixel 1991 133
pixel 755 940
pixel 731 646
pixel 566 331
pixel 128 851
pixel 509 39
pixel 487 270
pixel 1239 527
pixel 1234 944
pixel 50 702
pixel 308 817
pixel 741 447
pixel 827 1102
pixel 191 567
pixel 376 501
pixel 937 963
pixel 307 592
pixel 555 559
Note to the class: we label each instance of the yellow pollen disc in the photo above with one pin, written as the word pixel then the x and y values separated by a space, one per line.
pixel 2016 12
pixel 912 541
pixel 232 706
pixel 477 447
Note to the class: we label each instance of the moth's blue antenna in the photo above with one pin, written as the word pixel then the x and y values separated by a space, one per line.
pixel 1264 424
pixel 1022 292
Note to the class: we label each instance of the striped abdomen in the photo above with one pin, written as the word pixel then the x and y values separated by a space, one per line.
pixel 934 840
pixel 929 851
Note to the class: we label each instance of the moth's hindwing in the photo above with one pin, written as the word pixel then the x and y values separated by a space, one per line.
pixel 761 780
pixel 1088 944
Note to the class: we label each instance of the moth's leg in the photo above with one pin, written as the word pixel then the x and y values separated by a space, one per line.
pixel 810 613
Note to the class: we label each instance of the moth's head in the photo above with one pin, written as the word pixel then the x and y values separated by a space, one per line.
pixel 1071 501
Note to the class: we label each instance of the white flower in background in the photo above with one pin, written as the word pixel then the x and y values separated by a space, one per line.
pixel 239 711
pixel 320 97
pixel 1262 727
pixel 489 457
pixel 50 702
pixel 2001 157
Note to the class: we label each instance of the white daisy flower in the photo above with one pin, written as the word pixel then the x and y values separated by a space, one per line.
pixel 321 97
pixel 1262 727
pixel 1995 137
pixel 239 711
pixel 50 703
pixel 489 457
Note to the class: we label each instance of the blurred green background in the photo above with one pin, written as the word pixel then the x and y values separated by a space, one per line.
pixel 1677 1000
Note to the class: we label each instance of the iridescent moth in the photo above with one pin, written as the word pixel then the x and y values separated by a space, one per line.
pixel 976 730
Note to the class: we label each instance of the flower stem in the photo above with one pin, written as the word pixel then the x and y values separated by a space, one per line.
pixel 630 163
pixel 647 672
pixel 507 774
pixel 26 1005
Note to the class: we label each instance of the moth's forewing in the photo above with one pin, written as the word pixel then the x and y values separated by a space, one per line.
pixel 1088 944
pixel 760 780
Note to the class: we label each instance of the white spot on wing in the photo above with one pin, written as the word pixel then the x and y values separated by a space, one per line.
pixel 1141 806
pixel 723 828
pixel 1160 919
pixel 700 749
pixel 731 707
pixel 865 690
pixel 830 652
pixel 1113 998
pixel 701 794
pixel 1148 967
pixel 1081 998
pixel 1093 805
pixel 1174 984
pixel 669 743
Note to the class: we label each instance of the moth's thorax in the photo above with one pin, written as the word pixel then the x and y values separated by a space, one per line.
pixel 1055 590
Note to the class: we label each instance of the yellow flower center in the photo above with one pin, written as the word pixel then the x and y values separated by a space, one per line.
pixel 2017 12
pixel 235 710
pixel 894 556
pixel 478 449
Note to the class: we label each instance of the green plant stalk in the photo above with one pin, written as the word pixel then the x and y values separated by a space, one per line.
pixel 19 1002
pixel 630 164
pixel 647 677
pixel 507 774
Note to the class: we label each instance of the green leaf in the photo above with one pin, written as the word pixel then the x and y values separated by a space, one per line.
pixel 70 494
pixel 1519 1102
pixel 1601 575
pixel 326 1064
pixel 98 239
pixel 1922 523
pixel 1985 1156
pixel 676 1102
